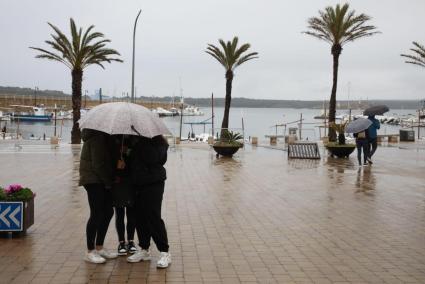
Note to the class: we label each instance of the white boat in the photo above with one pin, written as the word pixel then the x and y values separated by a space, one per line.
pixel 203 137
pixel 162 112
pixel 4 117
pixel 63 114
pixel 31 113
pixel 192 111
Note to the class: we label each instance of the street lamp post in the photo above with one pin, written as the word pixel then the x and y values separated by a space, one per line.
pixel 134 45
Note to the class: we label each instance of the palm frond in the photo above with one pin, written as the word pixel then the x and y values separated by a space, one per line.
pixel 80 50
pixel 339 25
pixel 418 57
pixel 230 55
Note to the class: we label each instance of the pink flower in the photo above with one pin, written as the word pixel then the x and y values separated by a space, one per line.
pixel 13 188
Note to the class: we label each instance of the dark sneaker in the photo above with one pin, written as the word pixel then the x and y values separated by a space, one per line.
pixel 369 161
pixel 122 249
pixel 131 247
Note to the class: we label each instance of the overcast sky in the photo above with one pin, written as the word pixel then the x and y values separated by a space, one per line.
pixel 172 37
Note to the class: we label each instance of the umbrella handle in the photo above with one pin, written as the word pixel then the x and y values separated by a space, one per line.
pixel 135 130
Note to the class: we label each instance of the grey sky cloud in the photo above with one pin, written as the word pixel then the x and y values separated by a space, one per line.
pixel 172 37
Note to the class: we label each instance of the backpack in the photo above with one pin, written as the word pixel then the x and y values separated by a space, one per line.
pixel 361 135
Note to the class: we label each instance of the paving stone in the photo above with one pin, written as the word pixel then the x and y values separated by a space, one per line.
pixel 255 218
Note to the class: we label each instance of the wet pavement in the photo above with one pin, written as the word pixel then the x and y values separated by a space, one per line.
pixel 256 218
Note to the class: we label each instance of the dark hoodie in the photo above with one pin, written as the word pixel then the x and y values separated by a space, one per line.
pixel 96 161
pixel 147 161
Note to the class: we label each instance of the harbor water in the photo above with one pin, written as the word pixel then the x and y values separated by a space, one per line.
pixel 254 121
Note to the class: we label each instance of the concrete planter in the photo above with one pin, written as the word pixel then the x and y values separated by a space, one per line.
pixel 16 217
pixel 226 150
pixel 341 151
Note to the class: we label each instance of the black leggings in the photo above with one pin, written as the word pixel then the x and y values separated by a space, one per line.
pixel 149 222
pixel 101 212
pixel 120 213
pixel 373 145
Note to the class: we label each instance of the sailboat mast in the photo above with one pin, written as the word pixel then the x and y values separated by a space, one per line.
pixel 182 107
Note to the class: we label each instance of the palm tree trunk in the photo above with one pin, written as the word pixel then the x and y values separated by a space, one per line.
pixel 77 78
pixel 336 51
pixel 225 122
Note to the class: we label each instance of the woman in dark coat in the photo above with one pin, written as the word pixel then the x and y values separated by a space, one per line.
pixel 96 173
pixel 122 195
pixel 147 160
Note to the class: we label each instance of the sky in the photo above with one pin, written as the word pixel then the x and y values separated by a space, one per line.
pixel 172 36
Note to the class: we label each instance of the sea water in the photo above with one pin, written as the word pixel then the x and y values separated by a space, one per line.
pixel 257 122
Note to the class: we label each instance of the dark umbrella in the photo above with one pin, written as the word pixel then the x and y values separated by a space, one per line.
pixel 376 110
pixel 358 125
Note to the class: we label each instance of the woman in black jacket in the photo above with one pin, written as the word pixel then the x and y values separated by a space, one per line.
pixel 147 160
pixel 122 195
pixel 96 172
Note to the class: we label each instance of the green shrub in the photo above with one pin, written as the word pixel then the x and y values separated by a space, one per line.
pixel 230 137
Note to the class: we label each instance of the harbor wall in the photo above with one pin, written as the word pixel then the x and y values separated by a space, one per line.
pixel 65 102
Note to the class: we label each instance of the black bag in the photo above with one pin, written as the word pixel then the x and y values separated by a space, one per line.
pixel 123 194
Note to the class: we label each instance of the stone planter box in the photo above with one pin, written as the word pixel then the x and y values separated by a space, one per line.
pixel 16 217
pixel 340 151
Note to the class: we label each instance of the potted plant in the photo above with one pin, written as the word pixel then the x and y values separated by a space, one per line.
pixel 228 144
pixel 16 209
pixel 230 55
pixel 340 148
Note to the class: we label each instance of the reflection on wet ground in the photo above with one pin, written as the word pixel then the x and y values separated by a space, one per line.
pixel 257 217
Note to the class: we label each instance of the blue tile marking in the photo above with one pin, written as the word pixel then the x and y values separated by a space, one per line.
pixel 11 216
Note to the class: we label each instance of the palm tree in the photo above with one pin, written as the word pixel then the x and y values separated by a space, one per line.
pixel 419 58
pixel 338 26
pixel 81 51
pixel 230 56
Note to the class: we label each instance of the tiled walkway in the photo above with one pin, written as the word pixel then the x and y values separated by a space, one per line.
pixel 257 218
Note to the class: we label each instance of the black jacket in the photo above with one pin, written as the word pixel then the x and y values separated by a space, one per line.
pixel 95 162
pixel 147 160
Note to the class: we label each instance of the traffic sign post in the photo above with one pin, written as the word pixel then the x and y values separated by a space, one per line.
pixel 11 216
pixel 16 217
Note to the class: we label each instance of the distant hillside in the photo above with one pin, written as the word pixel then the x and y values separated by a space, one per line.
pixel 11 91
pixel 236 102
pixel 257 103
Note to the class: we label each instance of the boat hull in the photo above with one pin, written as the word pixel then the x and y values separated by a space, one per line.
pixel 31 117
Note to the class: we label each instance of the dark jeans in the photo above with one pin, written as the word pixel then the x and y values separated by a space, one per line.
pixel 101 212
pixel 373 145
pixel 149 222
pixel 120 213
pixel 362 144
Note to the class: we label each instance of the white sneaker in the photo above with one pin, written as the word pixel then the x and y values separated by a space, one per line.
pixel 94 257
pixel 164 260
pixel 107 254
pixel 139 256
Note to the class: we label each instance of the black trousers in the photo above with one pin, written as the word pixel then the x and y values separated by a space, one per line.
pixel 120 213
pixel 101 212
pixel 148 219
pixel 373 145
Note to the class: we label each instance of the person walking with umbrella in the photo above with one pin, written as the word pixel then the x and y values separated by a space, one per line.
pixel 373 128
pixel 373 136
pixel 359 128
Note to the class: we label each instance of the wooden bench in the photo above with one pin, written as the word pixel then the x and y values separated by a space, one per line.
pixel 303 150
